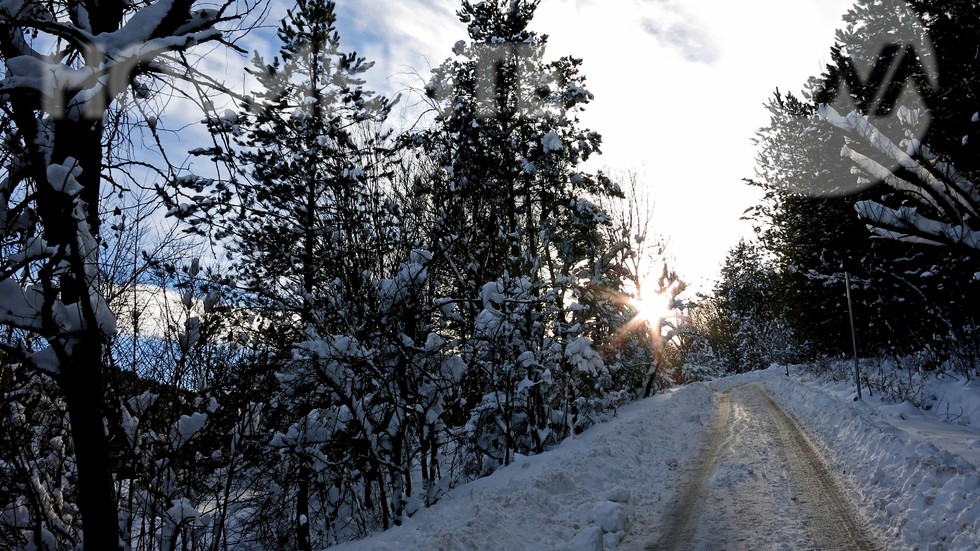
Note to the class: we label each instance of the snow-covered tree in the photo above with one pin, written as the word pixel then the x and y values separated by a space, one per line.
pixel 899 78
pixel 515 220
pixel 70 72
pixel 312 230
pixel 507 145
pixel 310 211
pixel 750 311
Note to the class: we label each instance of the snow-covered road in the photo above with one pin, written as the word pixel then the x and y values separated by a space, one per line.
pixel 760 485
pixel 619 484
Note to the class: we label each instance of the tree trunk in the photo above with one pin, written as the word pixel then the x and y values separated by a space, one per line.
pixel 82 384
pixel 81 370
pixel 650 387
pixel 303 508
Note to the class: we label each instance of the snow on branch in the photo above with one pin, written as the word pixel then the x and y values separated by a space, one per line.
pixel 945 203
pixel 85 77
pixel 906 224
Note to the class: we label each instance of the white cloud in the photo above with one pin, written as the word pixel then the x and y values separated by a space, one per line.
pixel 677 29
pixel 405 39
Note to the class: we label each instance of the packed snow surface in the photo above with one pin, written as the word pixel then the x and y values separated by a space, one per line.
pixel 912 475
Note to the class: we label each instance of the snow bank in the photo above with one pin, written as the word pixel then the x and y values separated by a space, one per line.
pixel 914 475
pixel 580 496
pixel 955 401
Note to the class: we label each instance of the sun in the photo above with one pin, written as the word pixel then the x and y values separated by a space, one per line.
pixel 653 307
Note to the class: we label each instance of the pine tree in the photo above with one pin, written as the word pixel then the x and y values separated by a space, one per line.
pixel 515 217
pixel 310 234
pixel 307 139
pixel 812 237
pixel 816 238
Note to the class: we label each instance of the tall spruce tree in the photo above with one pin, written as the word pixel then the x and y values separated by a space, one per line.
pixel 515 220
pixel 906 294
pixel 812 238
pixel 308 234
pixel 308 140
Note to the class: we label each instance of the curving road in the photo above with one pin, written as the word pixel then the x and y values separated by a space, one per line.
pixel 761 486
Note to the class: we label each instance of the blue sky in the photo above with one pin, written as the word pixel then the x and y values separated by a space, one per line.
pixel 679 90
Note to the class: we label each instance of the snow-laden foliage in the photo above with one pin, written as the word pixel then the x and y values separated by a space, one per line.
pixel 430 326
pixel 744 325
pixel 516 230
pixel 940 209
pixel 72 72
pixel 387 317
pixel 859 178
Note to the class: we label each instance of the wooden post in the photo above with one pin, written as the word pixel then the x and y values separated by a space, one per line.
pixel 854 342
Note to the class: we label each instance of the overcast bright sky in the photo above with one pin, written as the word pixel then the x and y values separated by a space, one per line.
pixel 679 89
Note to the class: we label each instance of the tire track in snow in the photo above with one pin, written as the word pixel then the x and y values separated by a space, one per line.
pixel 834 524
pixel 761 485
pixel 686 509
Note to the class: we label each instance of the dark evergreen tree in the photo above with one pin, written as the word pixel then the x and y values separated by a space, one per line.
pixel 310 214
pixel 515 220
pixel 813 235
pixel 311 240
pixel 312 231
pixel 816 208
